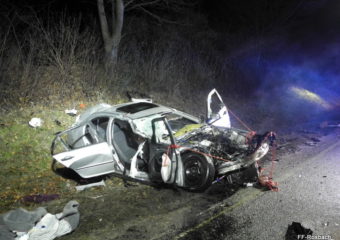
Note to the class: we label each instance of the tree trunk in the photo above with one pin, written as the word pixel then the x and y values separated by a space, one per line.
pixel 113 35
pixel 111 55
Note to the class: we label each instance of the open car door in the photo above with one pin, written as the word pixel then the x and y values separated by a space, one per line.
pixel 163 158
pixel 88 161
pixel 217 112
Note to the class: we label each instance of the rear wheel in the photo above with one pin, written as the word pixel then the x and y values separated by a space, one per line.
pixel 198 172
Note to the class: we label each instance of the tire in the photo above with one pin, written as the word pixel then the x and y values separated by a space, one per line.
pixel 199 173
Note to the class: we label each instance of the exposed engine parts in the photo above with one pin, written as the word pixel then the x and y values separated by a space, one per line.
pixel 227 143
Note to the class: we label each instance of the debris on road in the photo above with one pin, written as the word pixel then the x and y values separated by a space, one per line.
pixel 218 179
pixel 266 181
pixel 82 187
pixel 71 112
pixel 325 124
pixel 297 231
pixel 310 143
pixel 250 184
pixel 35 122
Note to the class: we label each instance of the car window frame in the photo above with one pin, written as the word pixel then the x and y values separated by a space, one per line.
pixel 168 128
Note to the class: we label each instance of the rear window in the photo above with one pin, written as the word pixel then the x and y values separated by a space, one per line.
pixel 137 107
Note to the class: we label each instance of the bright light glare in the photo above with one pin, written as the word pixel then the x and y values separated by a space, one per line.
pixel 310 96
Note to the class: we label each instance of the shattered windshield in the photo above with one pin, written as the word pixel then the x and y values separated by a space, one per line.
pixel 178 124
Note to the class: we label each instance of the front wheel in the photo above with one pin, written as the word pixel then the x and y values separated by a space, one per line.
pixel 198 172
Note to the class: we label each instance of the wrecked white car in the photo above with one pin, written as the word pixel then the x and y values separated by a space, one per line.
pixel 152 143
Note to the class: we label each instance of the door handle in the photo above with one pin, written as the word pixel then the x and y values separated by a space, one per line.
pixel 67 158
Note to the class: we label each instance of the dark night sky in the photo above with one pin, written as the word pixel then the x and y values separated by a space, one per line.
pixel 291 42
pixel 307 22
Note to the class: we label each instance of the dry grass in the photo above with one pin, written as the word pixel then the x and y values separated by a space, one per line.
pixel 60 60
pixel 56 65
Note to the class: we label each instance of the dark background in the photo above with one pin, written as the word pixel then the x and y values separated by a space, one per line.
pixel 254 52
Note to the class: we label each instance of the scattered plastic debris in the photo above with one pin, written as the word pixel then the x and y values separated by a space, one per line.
pixel 57 122
pixel 20 224
pixel 71 112
pixel 297 231
pixel 310 143
pixel 21 220
pixel 218 179
pixel 53 226
pixel 35 122
pixel 39 198
pixel 82 187
pixel 250 184
pixel 5 233
pixel 96 197
pixel 230 179
pixel 82 106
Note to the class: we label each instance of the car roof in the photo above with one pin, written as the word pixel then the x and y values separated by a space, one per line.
pixel 133 110
pixel 136 110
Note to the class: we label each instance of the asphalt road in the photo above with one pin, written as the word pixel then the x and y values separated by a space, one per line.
pixel 309 192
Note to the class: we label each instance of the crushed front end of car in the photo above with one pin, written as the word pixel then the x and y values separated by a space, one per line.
pixel 230 148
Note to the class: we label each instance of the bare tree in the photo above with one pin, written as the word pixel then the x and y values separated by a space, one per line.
pixel 111 37
pixel 111 21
